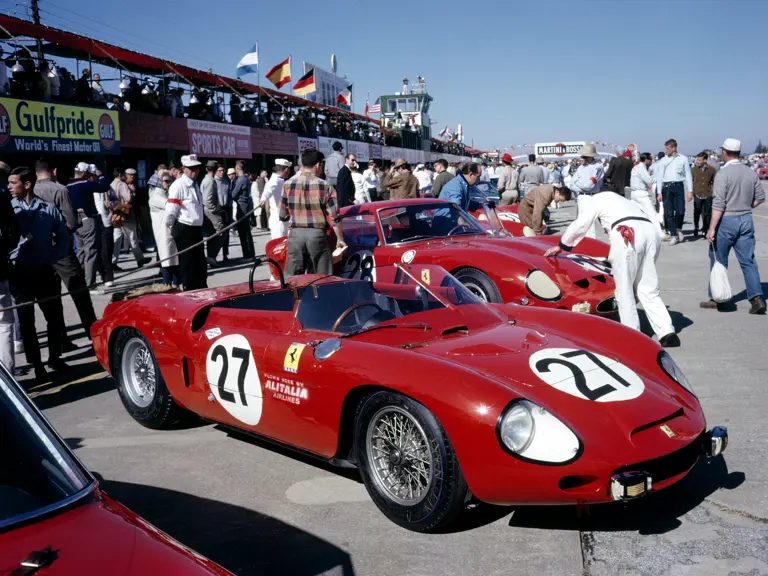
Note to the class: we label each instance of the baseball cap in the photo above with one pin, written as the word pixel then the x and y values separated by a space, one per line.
pixel 732 145
pixel 283 162
pixel 92 168
pixel 190 161
pixel 82 167
pixel 231 171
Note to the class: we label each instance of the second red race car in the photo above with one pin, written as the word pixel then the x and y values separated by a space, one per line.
pixel 493 266
pixel 435 396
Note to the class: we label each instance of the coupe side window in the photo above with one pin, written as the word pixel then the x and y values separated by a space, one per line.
pixel 360 230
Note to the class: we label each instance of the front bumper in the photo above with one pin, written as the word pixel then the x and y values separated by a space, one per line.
pixel 637 480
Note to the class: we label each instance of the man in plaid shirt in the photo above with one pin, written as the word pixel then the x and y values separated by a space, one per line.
pixel 309 204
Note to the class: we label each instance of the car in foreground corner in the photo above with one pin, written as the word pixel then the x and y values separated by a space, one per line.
pixel 435 396
pixel 492 265
pixel 54 518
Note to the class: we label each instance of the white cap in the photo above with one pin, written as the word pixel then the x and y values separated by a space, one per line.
pixel 732 145
pixel 419 166
pixel 130 171
pixel 190 161
pixel 283 162
pixel 92 168
pixel 81 167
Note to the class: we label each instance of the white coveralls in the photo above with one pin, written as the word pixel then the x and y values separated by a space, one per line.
pixel 586 182
pixel 273 194
pixel 642 189
pixel 634 266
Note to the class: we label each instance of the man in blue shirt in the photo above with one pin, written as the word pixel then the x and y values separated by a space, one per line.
pixel 458 192
pixel 44 240
pixel 673 175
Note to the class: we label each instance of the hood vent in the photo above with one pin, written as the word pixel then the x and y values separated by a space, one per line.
pixel 455 330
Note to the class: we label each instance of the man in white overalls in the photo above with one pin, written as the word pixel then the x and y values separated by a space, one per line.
pixel 635 245
pixel 273 195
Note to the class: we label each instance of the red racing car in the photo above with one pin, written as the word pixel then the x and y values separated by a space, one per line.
pixel 54 519
pixel 435 396
pixel 493 266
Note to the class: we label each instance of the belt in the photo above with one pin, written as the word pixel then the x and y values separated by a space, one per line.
pixel 671 184
pixel 620 220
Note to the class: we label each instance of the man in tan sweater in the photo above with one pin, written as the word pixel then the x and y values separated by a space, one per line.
pixel 404 185
pixel 535 203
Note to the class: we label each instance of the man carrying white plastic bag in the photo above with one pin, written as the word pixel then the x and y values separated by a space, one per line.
pixel 736 192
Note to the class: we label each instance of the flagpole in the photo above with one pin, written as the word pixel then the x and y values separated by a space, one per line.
pixel 258 77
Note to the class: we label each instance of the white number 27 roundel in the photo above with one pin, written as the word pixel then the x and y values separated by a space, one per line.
pixel 233 378
pixel 586 375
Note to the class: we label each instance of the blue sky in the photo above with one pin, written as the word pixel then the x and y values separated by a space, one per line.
pixel 511 72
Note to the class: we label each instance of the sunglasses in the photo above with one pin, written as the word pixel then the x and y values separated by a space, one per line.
pixel 167 180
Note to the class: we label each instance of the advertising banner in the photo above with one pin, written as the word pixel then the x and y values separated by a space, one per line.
pixel 306 144
pixel 324 144
pixel 217 140
pixel 360 150
pixel 375 151
pixel 559 149
pixel 52 128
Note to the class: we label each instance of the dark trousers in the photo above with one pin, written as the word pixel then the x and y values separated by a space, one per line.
pixel 212 224
pixel 372 193
pixel 88 240
pixel 674 206
pixel 702 207
pixel 308 252
pixel 244 231
pixel 106 251
pixel 27 285
pixel 193 271
pixel 71 274
pixel 227 218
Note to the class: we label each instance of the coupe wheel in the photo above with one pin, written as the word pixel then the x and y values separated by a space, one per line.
pixel 139 383
pixel 407 463
pixel 479 284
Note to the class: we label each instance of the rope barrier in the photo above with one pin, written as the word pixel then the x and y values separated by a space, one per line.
pixel 155 264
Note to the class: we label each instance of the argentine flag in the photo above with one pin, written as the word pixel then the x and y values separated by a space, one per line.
pixel 249 64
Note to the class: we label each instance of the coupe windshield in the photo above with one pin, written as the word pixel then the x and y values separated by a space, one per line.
pixel 380 296
pixel 37 473
pixel 413 222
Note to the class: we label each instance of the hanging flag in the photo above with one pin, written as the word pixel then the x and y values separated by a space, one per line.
pixel 345 96
pixel 443 132
pixel 280 75
pixel 306 84
pixel 249 64
pixel 367 108
pixel 376 108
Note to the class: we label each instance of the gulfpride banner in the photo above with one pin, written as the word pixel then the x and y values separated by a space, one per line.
pixel 52 128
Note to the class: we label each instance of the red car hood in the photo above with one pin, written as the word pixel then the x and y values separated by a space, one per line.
pixel 528 250
pixel 501 352
pixel 101 536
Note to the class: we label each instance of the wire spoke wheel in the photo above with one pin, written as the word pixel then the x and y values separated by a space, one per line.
pixel 400 456
pixel 138 371
pixel 476 291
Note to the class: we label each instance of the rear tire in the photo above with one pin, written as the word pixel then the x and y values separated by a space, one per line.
pixel 479 284
pixel 407 463
pixel 140 384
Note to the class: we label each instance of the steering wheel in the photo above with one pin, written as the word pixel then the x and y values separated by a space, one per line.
pixel 351 309
pixel 456 228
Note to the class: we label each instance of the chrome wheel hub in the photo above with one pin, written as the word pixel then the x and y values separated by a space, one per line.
pixel 138 371
pixel 399 456
pixel 476 291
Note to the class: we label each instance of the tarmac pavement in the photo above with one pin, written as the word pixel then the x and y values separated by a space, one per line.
pixel 257 509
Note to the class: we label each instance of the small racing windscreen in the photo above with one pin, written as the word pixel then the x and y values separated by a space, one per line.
pixel 413 222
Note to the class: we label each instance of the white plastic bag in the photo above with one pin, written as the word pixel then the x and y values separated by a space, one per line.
pixel 718 283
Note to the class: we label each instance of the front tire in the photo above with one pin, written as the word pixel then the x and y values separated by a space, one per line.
pixel 479 284
pixel 140 384
pixel 407 463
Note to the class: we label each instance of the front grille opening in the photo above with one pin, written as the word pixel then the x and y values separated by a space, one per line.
pixel 584 283
pixel 577 483
pixel 600 278
pixel 607 306
pixel 670 465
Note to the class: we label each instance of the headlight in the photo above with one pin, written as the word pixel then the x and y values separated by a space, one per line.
pixel 529 432
pixel 672 370
pixel 542 286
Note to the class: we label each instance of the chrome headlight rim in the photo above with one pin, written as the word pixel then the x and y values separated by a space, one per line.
pixel 533 293
pixel 500 421
pixel 685 384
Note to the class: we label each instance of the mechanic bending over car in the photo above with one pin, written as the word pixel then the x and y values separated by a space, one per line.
pixel 458 191
pixel 533 206
pixel 635 245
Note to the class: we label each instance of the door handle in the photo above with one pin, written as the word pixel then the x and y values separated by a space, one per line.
pixel 35 561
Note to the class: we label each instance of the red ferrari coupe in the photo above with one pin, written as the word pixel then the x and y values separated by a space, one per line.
pixel 435 396
pixel 492 265
pixel 54 519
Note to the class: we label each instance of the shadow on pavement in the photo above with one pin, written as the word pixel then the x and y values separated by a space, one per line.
pixel 658 513
pixel 242 540
pixel 679 320
pixel 54 394
pixel 742 296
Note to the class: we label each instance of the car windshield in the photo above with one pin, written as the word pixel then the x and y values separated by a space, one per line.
pixel 412 222
pixel 38 474
pixel 375 297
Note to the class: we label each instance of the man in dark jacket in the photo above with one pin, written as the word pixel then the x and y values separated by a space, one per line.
pixel 345 186
pixel 241 196
pixel 703 178
pixel 618 174
pixel 9 239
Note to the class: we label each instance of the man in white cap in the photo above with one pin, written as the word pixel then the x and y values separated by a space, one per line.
pixel 184 215
pixel 736 192
pixel 272 197
pixel 635 245
pixel 587 181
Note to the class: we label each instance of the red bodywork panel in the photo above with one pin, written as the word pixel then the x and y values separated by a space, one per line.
pixel 581 276
pixel 469 364
pixel 100 536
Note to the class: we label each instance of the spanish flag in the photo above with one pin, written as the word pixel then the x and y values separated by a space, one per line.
pixel 280 75
pixel 306 84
